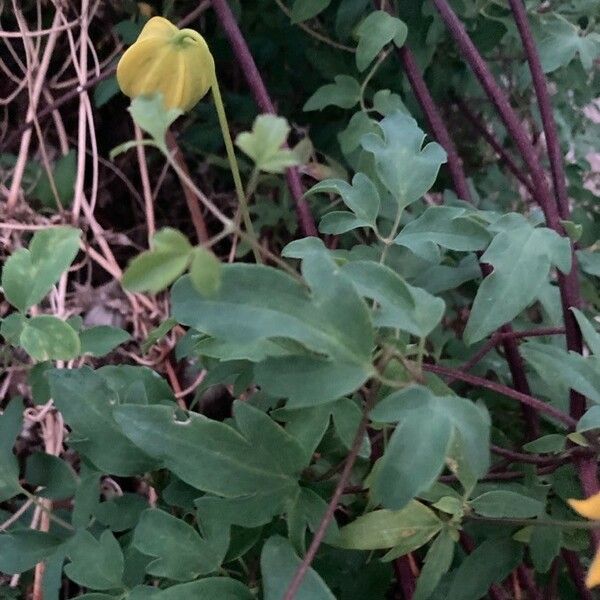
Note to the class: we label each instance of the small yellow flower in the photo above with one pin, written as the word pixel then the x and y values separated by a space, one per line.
pixel 590 509
pixel 164 59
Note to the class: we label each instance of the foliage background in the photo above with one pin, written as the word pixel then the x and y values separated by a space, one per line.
pixel 399 421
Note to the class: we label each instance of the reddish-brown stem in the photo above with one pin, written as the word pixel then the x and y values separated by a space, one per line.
pixel 517 371
pixel 569 283
pixel 442 135
pixel 569 286
pixel 435 122
pixel 527 581
pixel 535 459
pixel 540 332
pixel 507 475
pixel 261 96
pixel 501 335
pixel 301 571
pixel 552 585
pixel 505 110
pixel 504 390
pixel 404 577
pixel 543 97
pixel 489 137
pixel 577 574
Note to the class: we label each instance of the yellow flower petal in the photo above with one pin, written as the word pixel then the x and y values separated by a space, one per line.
pixel 588 508
pixel 175 63
pixel 593 576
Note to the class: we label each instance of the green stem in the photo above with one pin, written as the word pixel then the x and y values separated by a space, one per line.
pixel 235 171
pixel 389 240
pixel 370 75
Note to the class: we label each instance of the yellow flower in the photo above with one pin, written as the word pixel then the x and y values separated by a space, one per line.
pixel 590 509
pixel 176 63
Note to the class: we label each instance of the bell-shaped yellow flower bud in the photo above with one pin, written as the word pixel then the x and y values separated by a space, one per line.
pixel 164 59
pixel 588 508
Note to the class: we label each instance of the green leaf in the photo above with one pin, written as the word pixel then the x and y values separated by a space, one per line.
pixel 149 114
pixel 450 227
pixel 95 564
pixel 264 144
pixel 362 197
pixel 344 92
pixel 567 368
pixel 589 262
pixel 64 174
pixel 407 169
pixel 441 278
pixel 590 420
pixel 87 404
pixel 504 503
pixel 136 385
pixel 347 416
pixel 155 269
pixel 249 511
pixel 590 335
pixel 278 563
pixel 306 512
pixel 102 339
pixel 307 425
pixel 121 512
pixel 158 333
pixel 28 275
pixel 302 10
pixel 106 90
pixel 522 259
pixel 573 230
pixel 385 103
pixel 559 42
pixel 489 563
pixel 374 33
pixel 11 422
pixel 338 222
pixel 54 475
pixel 308 380
pixel 11 328
pixel 544 546
pixel 212 456
pixel 415 456
pixel 437 562
pixel 399 305
pixel 205 272
pixel 22 549
pixel 406 529
pixel 256 302
pixel 178 550
pixel 47 337
pixel 211 588
pixel 552 443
